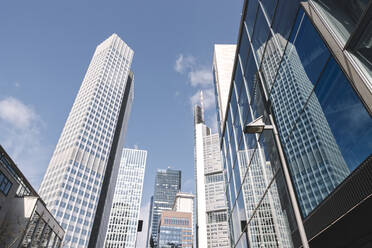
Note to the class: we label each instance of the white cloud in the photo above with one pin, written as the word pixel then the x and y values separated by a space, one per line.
pixel 200 77
pixel 208 97
pixel 184 63
pixel 21 136
pixel 16 113
pixel 144 215
pixel 17 84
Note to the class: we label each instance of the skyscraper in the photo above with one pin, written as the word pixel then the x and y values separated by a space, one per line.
pixel 89 149
pixel 211 209
pixel 167 185
pixel 122 226
pixel 148 236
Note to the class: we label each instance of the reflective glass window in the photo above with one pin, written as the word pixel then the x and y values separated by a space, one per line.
pixel 250 72
pixel 304 59
pixel 260 35
pixel 244 48
pixel 331 138
pixel 269 7
pixel 250 17
pixel 363 49
pixel 343 15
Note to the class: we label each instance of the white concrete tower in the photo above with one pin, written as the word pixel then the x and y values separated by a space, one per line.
pixel 211 208
pixel 91 141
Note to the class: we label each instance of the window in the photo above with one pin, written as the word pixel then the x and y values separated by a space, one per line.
pixel 5 184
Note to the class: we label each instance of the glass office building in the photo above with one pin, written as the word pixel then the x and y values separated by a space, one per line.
pixel 167 185
pixel 125 210
pixel 296 136
pixel 89 149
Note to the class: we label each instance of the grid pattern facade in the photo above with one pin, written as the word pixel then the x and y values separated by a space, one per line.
pixel 72 183
pixel 123 221
pixel 211 201
pixel 167 185
pixel 175 230
pixel 285 74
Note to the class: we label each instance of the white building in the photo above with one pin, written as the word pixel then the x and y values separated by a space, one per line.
pixel 90 145
pixel 211 208
pixel 122 227
pixel 223 63
pixel 184 202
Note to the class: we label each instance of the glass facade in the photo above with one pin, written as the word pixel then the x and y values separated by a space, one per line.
pixel 39 234
pixel 125 210
pixel 167 185
pixel 175 230
pixel 286 74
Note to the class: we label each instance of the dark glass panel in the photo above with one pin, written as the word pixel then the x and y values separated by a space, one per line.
pixel 260 35
pixel 238 78
pixel 269 7
pixel 363 49
pixel 343 15
pixel 347 118
pixel 244 48
pixel 251 15
pixel 250 73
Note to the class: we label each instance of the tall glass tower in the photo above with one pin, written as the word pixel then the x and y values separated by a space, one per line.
pixel 122 226
pixel 91 142
pixel 167 185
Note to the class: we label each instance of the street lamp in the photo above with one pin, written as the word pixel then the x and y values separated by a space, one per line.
pixel 257 126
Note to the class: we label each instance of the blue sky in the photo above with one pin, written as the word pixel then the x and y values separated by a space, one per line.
pixel 45 49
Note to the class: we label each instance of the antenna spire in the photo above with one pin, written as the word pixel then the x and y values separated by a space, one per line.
pixel 202 104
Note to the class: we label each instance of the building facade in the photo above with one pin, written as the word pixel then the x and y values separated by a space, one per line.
pixel 125 210
pixel 87 155
pixel 296 136
pixel 167 185
pixel 211 209
pixel 24 219
pixel 175 230
pixel 148 236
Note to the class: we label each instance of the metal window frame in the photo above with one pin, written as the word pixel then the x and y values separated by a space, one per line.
pixel 343 54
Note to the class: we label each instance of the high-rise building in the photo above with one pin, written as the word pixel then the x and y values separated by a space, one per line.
pixel 125 210
pixel 82 172
pixel 211 209
pixel 148 236
pixel 167 185
pixel 296 137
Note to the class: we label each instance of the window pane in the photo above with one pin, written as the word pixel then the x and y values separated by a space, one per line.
pixel 343 15
pixel 363 49
pixel 260 34
pixel 331 138
pixel 251 15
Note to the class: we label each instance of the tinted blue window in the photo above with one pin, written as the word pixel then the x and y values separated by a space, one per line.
pixel 250 17
pixel 260 35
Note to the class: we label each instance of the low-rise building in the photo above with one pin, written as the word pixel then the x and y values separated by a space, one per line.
pixel 175 230
pixel 24 219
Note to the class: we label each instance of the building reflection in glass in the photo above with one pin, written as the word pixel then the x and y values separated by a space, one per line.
pixel 267 221
pixel 313 155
